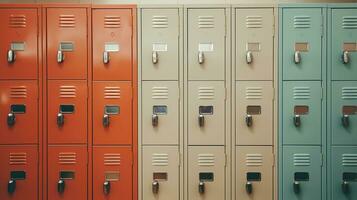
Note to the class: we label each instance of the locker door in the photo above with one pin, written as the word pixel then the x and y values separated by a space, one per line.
pixel 67 43
pixel 160 44
pixel 302 36
pixel 160 114
pixel 254 175
pixel 206 113
pixel 18 112
pixel 19 172
pixel 254 116
pixel 112 44
pixel 206 173
pixel 344 173
pixel 19 50
pixel 344 44
pixel 67 173
pixel 112 112
pixel 254 35
pixel 206 44
pixel 67 112
pixel 302 112
pixel 302 173
pixel 344 112
pixel 112 173
pixel 161 173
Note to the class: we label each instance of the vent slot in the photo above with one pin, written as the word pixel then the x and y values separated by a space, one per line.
pixel 18 158
pixel 302 93
pixel 253 92
pixel 302 22
pixel 205 22
pixel 349 22
pixel 160 22
pixel 302 159
pixel 206 160
pixel 254 160
pixel 17 21
pixel 349 160
pixel 206 93
pixel 112 22
pixel 349 93
pixel 112 92
pixel 67 158
pixel 160 93
pixel 67 21
pixel 254 21
pixel 68 91
pixel 18 92
pixel 160 159
pixel 112 159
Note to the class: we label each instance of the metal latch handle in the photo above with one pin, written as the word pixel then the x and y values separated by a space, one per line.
pixel 297 120
pixel 249 187
pixel 11 56
pixel 106 120
pixel 201 187
pixel 249 120
pixel 201 57
pixel 155 187
pixel 249 57
pixel 106 187
pixel 60 119
pixel 106 57
pixel 60 56
pixel 155 120
pixel 297 57
pixel 201 120
pixel 296 187
pixel 11 118
pixel 345 57
pixel 61 185
pixel 346 121
pixel 11 186
pixel 155 57
pixel 345 187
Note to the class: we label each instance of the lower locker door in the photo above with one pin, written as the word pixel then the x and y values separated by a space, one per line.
pixel 19 172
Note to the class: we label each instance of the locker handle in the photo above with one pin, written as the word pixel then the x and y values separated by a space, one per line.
pixel 346 121
pixel 61 185
pixel 106 120
pixel 60 56
pixel 249 120
pixel 11 186
pixel 60 119
pixel 11 55
pixel 201 57
pixel 155 57
pixel 106 57
pixel 201 120
pixel 201 187
pixel 106 187
pixel 296 187
pixel 345 57
pixel 155 120
pixel 155 187
pixel 249 187
pixel 297 57
pixel 345 187
pixel 249 57
pixel 297 120
pixel 11 118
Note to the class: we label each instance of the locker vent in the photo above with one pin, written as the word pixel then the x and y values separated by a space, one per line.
pixel 302 22
pixel 17 21
pixel 17 158
pixel 349 22
pixel 18 92
pixel 349 93
pixel 112 22
pixel 206 93
pixel 253 92
pixel 302 159
pixel 112 92
pixel 254 160
pixel 67 158
pixel 67 21
pixel 68 91
pixel 112 159
pixel 160 93
pixel 160 159
pixel 302 93
pixel 206 160
pixel 254 21
pixel 205 22
pixel 349 160
pixel 160 22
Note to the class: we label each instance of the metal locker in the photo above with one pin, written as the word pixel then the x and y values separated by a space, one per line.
pixel 67 112
pixel 160 44
pixel 67 172
pixel 19 172
pixel 112 173
pixel 67 43
pixel 160 112
pixel 344 44
pixel 254 115
pixel 254 43
pixel 254 172
pixel 302 169
pixel 302 43
pixel 344 112
pixel 206 173
pixel 112 44
pixel 112 112
pixel 161 173
pixel 302 112
pixel 344 173
pixel 206 113
pixel 19 112
pixel 206 51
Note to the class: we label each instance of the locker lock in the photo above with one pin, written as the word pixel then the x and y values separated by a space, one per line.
pixel 249 57
pixel 201 187
pixel 106 187
pixel 106 57
pixel 155 187
pixel 11 119
pixel 201 57
pixel 60 56
pixel 201 120
pixel 155 120
pixel 61 186
pixel 11 186
pixel 249 187
pixel 155 57
pixel 297 120
pixel 345 187
pixel 106 120
pixel 249 120
pixel 297 57
pixel 296 187
pixel 11 56
pixel 60 119
pixel 345 57
pixel 346 121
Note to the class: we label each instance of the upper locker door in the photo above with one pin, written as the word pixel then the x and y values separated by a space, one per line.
pixel 206 44
pixel 302 43
pixel 254 35
pixel 112 44
pixel 67 43
pixel 19 39
pixel 344 44
pixel 160 44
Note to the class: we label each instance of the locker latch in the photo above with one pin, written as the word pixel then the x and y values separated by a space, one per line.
pixel 156 111
pixel 345 57
pixel 298 178
pixel 201 120
pixel 14 176
pixel 106 187
pixel 297 57
pixel 297 120
pixel 249 57
pixel 15 109
pixel 11 56
pixel 60 119
pixel 249 187
pixel 346 121
pixel 345 187
pixel 348 177
pixel 155 57
pixel 60 56
pixel 11 186
pixel 347 111
pixel 106 57
pixel 249 120
pixel 155 186
pixel 296 187
pixel 64 109
pixel 61 185
pixel 11 119
pixel 109 110
pixel 201 57
pixel 298 112
pixel 252 110
pixel 155 120
pixel 201 187
pixel 106 120
pixel 252 177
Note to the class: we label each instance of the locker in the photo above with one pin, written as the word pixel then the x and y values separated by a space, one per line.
pixel 302 112
pixel 206 173
pixel 344 112
pixel 206 29
pixel 67 112
pixel 112 44
pixel 112 173
pixel 301 173
pixel 254 172
pixel 254 115
pixel 160 112
pixel 161 173
pixel 19 172
pixel 302 43
pixel 67 43
pixel 344 173
pixel 206 113
pixel 19 50
pixel 254 35
pixel 67 172
pixel 19 112
pixel 160 44
pixel 112 112
pixel 344 44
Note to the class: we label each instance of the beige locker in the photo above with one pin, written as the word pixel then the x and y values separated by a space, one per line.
pixel 206 173
pixel 160 112
pixel 206 38
pixel 160 173
pixel 254 112
pixel 254 173
pixel 254 35
pixel 206 113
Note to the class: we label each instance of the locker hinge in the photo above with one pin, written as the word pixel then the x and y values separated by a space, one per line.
pixel 225 93
pixel 225 160
pixel 322 160
pixel 180 159
pixel 322 93
pixel 274 160
pixel 322 25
